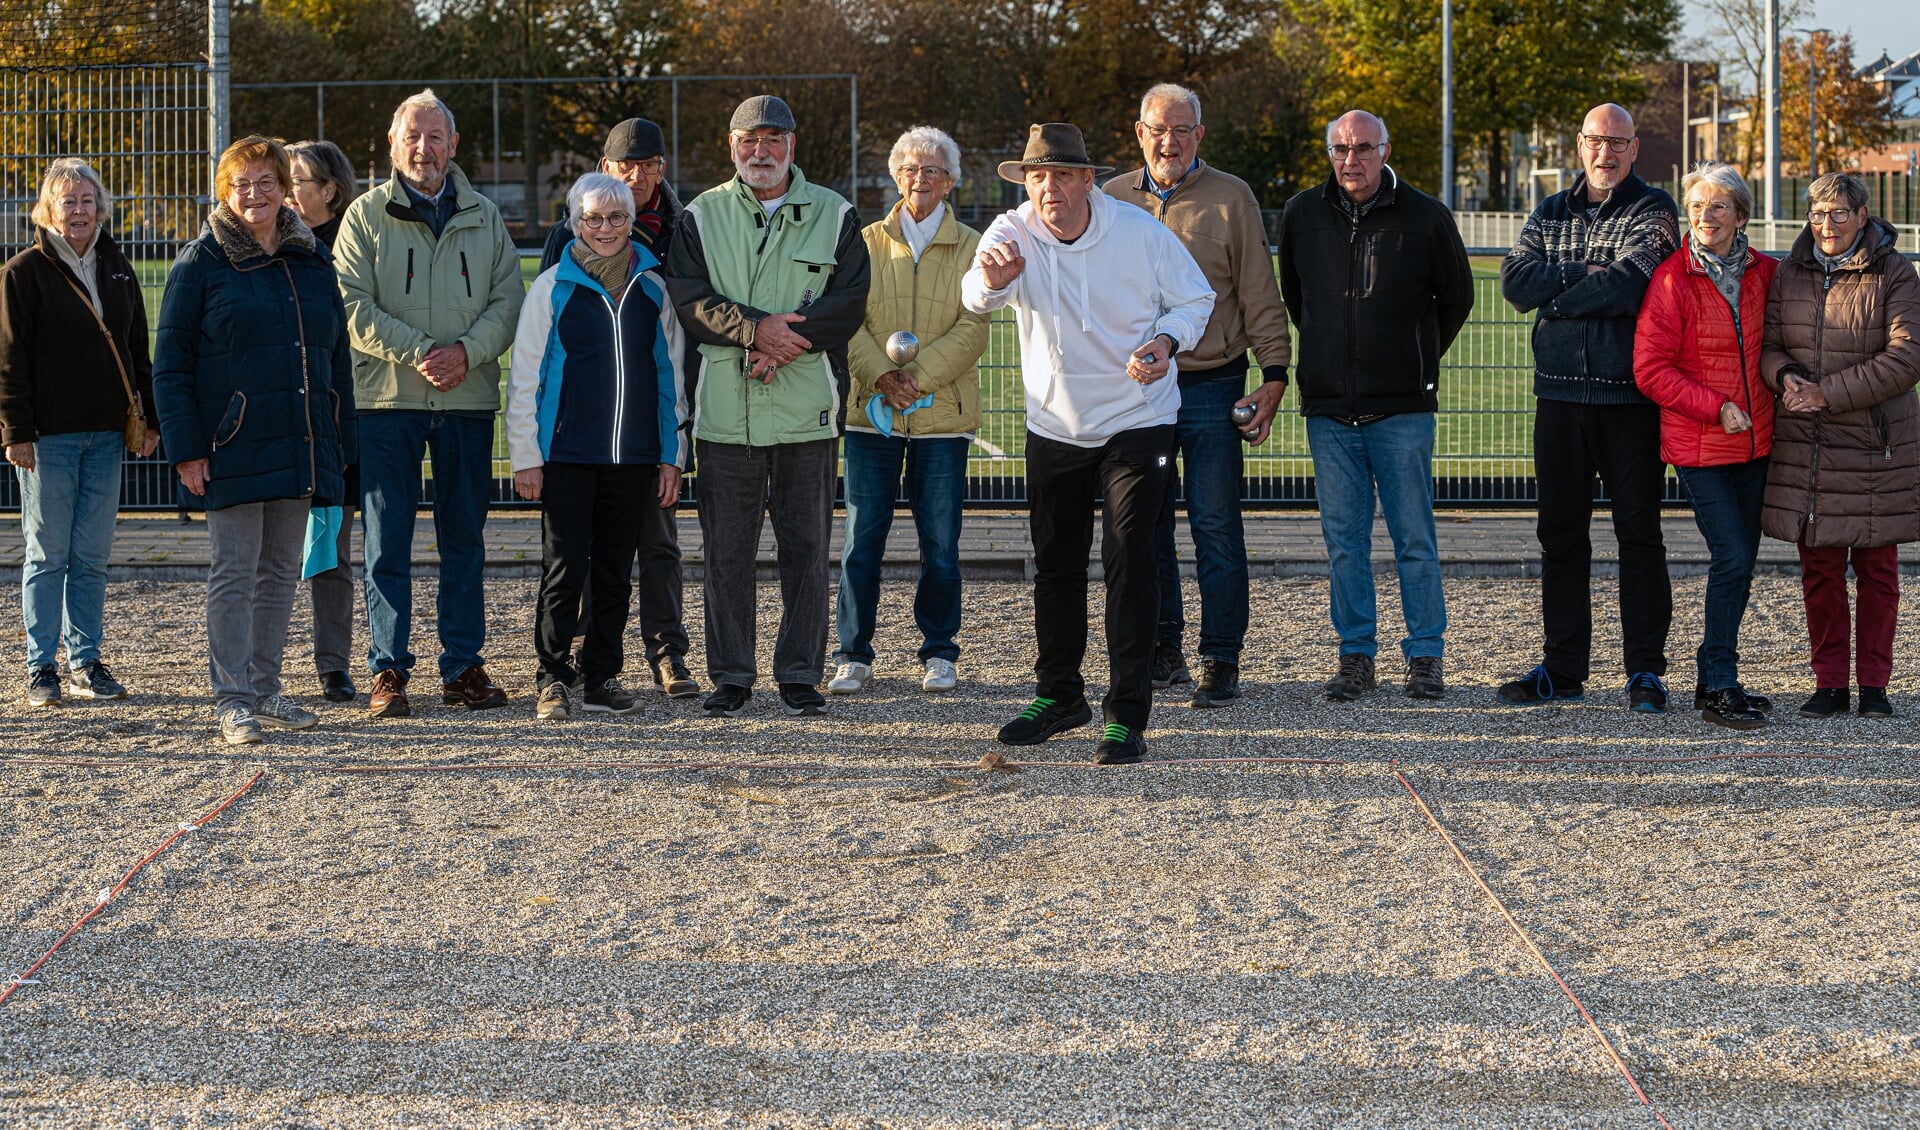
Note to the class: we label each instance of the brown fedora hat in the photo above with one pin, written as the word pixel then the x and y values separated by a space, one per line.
pixel 1052 143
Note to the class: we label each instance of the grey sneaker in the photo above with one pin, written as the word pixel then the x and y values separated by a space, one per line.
pixel 239 727
pixel 1425 678
pixel 1355 678
pixel 941 677
pixel 849 678
pixel 283 713
pixel 93 680
pixel 555 703
pixel 43 686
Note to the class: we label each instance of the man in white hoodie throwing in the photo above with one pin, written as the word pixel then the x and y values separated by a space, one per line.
pixel 1103 296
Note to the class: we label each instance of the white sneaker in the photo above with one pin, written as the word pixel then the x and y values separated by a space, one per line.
pixel 942 676
pixel 283 713
pixel 850 678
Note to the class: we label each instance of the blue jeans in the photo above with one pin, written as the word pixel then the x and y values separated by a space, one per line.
pixel 936 485
pixel 1726 507
pixel 67 507
pixel 392 443
pixel 1212 455
pixel 1394 455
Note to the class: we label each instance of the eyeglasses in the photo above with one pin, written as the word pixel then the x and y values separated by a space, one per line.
pixel 749 144
pixel 1595 142
pixel 1838 217
pixel 1365 151
pixel 265 186
pixel 610 220
pixel 931 172
pixel 1180 133
pixel 649 165
pixel 1716 209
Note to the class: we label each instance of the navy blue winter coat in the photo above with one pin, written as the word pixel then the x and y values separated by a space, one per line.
pixel 251 368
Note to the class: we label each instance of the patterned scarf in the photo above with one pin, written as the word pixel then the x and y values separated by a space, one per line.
pixel 1724 270
pixel 1832 263
pixel 610 271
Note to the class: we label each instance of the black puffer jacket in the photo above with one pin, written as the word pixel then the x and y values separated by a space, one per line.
pixel 1377 301
pixel 56 376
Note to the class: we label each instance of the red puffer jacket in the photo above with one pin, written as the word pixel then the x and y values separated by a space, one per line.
pixel 1688 360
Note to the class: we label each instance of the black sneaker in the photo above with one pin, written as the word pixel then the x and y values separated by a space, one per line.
pixel 1646 694
pixel 1353 679
pixel 1731 709
pixel 1825 703
pixel 1219 684
pixel 43 686
pixel 1043 718
pixel 1758 702
pixel 1874 704
pixel 1169 666
pixel 728 699
pixel 1119 745
pixel 803 699
pixel 1539 686
pixel 93 680
pixel 1425 677
pixel 611 698
pixel 670 674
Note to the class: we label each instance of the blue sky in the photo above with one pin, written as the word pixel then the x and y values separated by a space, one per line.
pixel 1876 24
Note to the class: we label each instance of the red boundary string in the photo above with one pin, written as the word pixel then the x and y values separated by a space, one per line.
pixel 106 896
pixel 1606 1045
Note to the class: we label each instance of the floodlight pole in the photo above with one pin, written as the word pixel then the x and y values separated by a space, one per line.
pixel 1446 102
pixel 1772 82
pixel 219 83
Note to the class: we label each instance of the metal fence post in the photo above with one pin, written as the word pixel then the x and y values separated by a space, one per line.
pixel 219 84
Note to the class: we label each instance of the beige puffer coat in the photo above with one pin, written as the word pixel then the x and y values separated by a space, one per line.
pixel 1849 475
pixel 923 297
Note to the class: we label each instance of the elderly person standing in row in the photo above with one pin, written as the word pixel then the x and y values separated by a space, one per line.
pixel 769 274
pixel 1217 219
pixel 919 414
pixel 1697 355
pixel 323 186
pixel 1369 379
pixel 74 377
pixel 595 415
pixel 254 387
pixel 1104 298
pixel 1843 352
pixel 432 285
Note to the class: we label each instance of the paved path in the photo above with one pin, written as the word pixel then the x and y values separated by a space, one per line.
pixel 994 544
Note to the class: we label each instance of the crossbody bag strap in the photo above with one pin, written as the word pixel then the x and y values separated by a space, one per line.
pixel 133 398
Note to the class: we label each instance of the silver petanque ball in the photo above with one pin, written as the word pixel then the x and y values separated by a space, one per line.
pixel 1243 414
pixel 902 347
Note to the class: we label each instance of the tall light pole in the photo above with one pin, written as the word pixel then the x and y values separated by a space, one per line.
pixel 1446 102
pixel 1772 81
pixel 1813 97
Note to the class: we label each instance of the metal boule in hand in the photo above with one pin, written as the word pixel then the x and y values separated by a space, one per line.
pixel 902 347
pixel 1242 415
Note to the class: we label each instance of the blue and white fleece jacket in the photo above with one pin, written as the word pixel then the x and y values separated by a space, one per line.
pixel 596 381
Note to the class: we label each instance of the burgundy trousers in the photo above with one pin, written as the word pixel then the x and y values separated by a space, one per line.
pixel 1823 581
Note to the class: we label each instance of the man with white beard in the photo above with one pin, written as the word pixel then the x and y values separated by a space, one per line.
pixel 769 274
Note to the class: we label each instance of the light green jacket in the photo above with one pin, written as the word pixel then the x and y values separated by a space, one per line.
pixel 729 266
pixel 407 292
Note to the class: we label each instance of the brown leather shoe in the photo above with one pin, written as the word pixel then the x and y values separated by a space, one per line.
pixel 473 690
pixel 389 697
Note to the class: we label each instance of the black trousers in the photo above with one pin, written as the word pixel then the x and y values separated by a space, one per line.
pixel 662 606
pixel 1620 443
pixel 590 518
pixel 1131 471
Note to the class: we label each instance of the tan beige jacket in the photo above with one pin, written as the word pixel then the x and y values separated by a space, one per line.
pixel 923 297
pixel 1850 475
pixel 1217 218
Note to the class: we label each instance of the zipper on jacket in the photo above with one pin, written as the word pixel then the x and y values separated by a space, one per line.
pixel 409 289
pixel 619 365
pixel 1886 435
pixel 464 277
pixel 1819 366
pixel 306 388
pixel 1740 337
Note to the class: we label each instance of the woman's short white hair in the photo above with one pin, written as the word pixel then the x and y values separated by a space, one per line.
pixel 598 191
pixel 926 139
pixel 1726 178
pixel 60 174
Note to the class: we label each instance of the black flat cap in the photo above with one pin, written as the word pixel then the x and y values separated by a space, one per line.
pixel 635 139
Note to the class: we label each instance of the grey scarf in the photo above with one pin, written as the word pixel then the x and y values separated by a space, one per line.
pixel 1724 270
pixel 1832 263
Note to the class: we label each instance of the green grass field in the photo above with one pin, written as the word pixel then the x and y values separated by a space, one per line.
pixel 1486 398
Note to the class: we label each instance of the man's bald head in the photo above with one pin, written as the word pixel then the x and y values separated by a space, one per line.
pixel 1608 149
pixel 1357 144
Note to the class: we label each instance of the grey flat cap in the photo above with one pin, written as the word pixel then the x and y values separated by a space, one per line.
pixel 635 139
pixel 762 111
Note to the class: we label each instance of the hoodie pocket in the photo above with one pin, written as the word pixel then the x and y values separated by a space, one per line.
pixel 230 424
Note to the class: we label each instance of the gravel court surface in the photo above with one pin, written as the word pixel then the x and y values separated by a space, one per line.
pixel 881 936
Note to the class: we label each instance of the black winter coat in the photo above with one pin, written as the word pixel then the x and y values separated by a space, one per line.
pixel 251 366
pixel 56 376
pixel 1377 302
